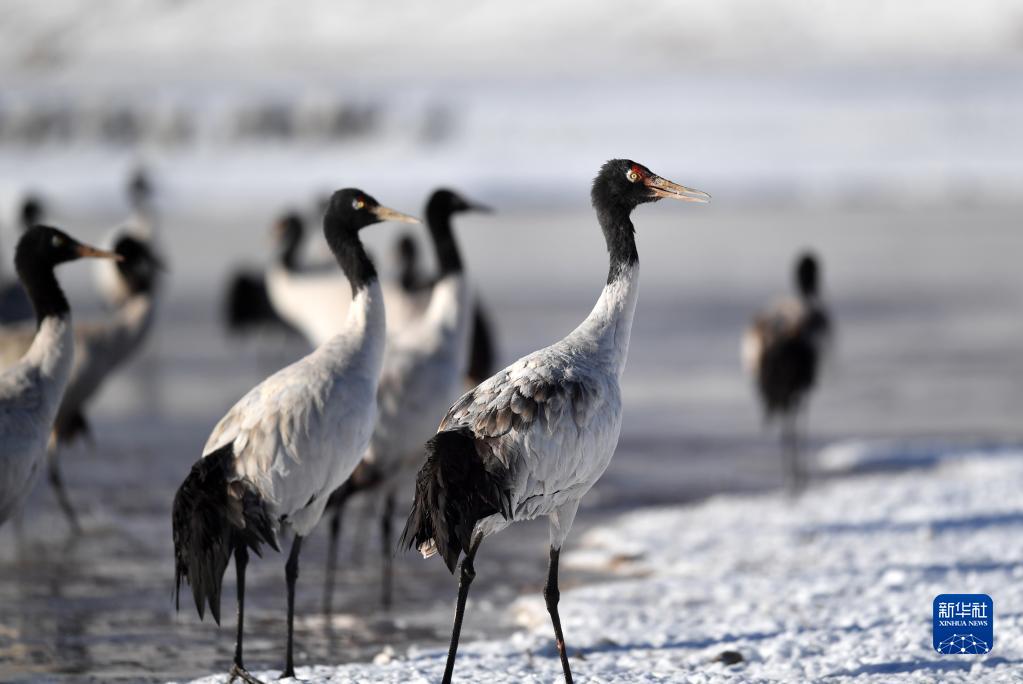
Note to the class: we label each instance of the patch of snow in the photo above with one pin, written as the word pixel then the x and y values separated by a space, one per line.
pixel 836 586
pixel 854 455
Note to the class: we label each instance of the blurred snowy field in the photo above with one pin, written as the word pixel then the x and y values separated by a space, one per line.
pixel 463 36
pixel 787 102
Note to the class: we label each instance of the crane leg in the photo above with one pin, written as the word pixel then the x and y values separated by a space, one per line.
pixel 551 596
pixel 238 671
pixel 467 573
pixel 334 532
pixel 795 477
pixel 291 574
pixel 387 568
pixel 57 482
pixel 364 511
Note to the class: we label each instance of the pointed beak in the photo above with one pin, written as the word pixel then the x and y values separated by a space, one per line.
pixel 481 208
pixel 387 214
pixel 662 187
pixel 88 251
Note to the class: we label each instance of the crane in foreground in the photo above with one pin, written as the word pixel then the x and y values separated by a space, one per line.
pixel 533 439
pixel 273 460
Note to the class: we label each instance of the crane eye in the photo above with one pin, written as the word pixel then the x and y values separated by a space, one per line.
pixel 57 241
pixel 358 203
pixel 632 175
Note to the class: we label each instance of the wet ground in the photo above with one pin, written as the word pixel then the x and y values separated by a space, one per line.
pixel 928 307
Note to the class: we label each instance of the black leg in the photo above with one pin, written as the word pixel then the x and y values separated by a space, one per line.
pixel 795 478
pixel 334 531
pixel 241 560
pixel 291 574
pixel 57 482
pixel 467 575
pixel 551 596
pixel 387 568
pixel 363 512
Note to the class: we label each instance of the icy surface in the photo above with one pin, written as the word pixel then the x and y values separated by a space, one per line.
pixel 836 586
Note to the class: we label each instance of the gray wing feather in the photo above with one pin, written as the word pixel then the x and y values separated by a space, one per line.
pixel 535 393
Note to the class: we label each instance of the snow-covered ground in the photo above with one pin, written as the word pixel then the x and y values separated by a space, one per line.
pixel 837 586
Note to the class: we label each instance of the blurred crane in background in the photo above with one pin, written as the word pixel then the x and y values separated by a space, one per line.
pixel 424 367
pixel 32 389
pixel 101 347
pixel 783 351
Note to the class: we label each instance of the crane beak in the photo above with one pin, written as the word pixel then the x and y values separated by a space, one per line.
pixel 88 251
pixel 387 214
pixel 662 187
pixel 481 208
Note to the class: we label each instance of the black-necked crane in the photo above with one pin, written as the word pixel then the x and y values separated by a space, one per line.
pixel 412 294
pixel 101 347
pixel 31 390
pixel 534 438
pixel 482 353
pixel 423 369
pixel 142 224
pixel 32 212
pixel 272 462
pixel 482 346
pixel 308 297
pixel 783 350
pixel 247 304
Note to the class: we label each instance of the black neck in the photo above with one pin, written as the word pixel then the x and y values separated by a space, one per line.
pixel 289 255
pixel 352 257
pixel 448 259
pixel 409 278
pixel 621 241
pixel 44 292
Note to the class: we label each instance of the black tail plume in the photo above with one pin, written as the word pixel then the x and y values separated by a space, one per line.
pixel 788 371
pixel 482 354
pixel 208 522
pixel 454 490
pixel 247 304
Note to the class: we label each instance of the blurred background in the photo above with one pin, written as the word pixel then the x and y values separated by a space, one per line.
pixel 886 136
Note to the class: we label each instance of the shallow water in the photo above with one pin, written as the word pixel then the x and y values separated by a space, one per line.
pixel 927 304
